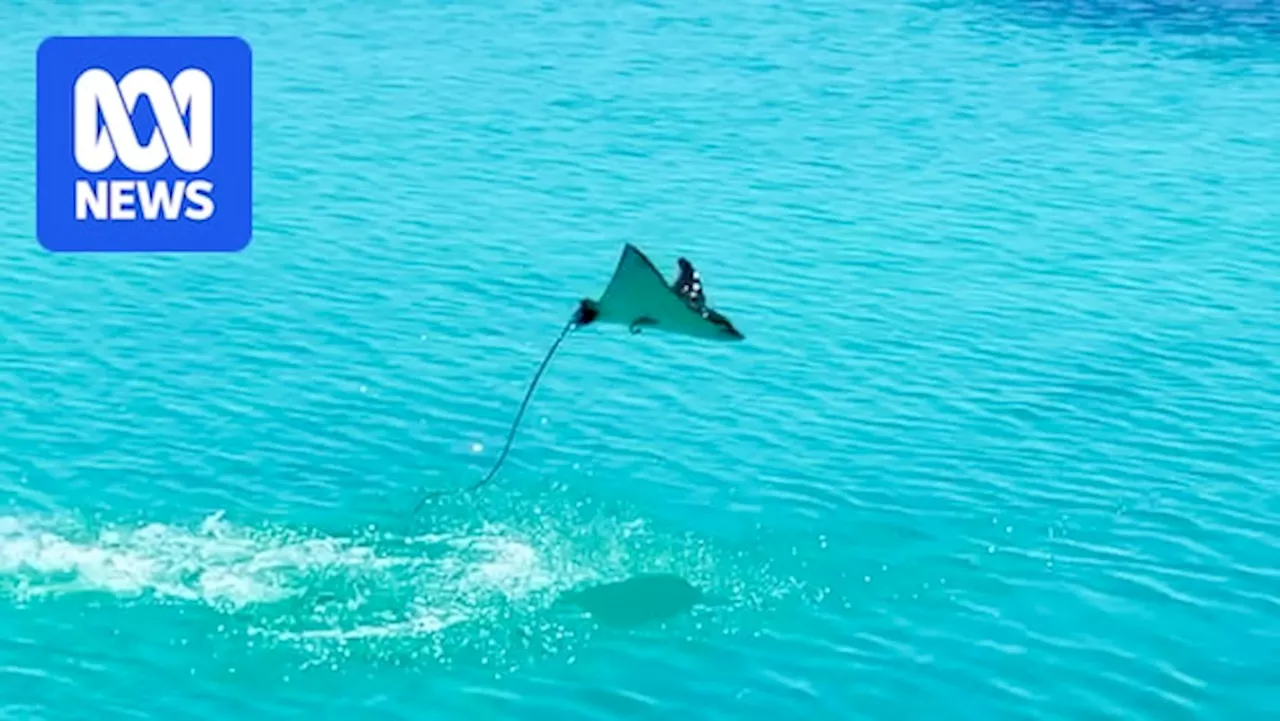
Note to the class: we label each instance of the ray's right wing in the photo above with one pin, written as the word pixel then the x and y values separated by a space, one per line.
pixel 688 286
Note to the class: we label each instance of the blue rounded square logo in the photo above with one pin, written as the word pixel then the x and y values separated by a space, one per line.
pixel 144 144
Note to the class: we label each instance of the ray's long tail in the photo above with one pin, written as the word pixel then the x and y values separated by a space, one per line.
pixel 584 315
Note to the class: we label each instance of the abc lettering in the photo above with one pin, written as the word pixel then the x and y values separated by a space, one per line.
pixel 187 144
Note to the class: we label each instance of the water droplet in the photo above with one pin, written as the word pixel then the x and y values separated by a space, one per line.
pixel 477 447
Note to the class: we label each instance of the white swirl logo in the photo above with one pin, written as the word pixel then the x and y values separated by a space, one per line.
pixel 190 94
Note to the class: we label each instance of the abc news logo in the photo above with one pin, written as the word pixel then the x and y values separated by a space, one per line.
pixel 108 179
pixel 183 135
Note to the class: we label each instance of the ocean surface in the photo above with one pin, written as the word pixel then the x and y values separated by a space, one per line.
pixel 1001 443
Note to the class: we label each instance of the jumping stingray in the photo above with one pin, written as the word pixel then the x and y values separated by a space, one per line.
pixel 641 599
pixel 639 298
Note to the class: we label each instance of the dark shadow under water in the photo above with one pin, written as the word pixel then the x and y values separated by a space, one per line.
pixel 635 601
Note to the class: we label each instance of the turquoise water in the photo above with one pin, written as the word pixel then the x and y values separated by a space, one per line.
pixel 1001 443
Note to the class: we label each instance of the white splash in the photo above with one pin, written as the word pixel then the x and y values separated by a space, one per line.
pixel 322 593
pixel 233 568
